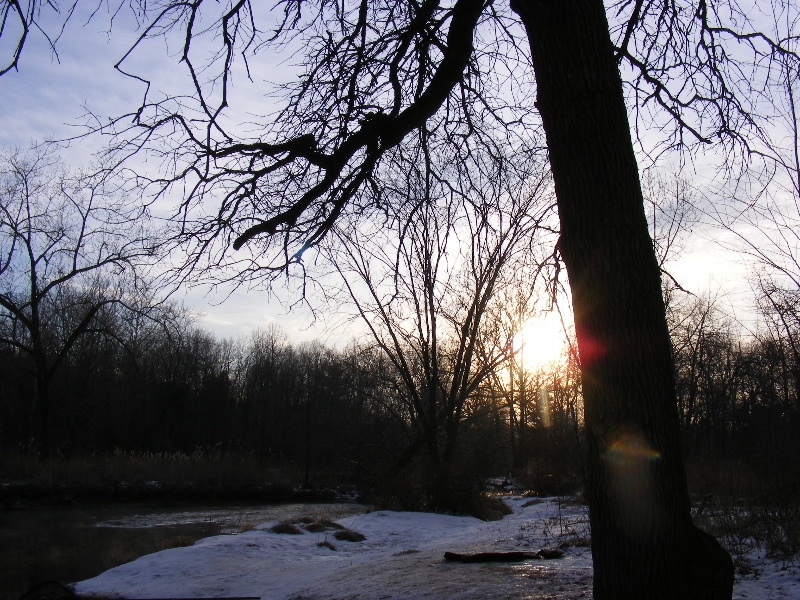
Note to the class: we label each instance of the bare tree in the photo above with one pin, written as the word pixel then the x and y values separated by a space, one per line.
pixel 427 277
pixel 778 305
pixel 765 223
pixel 68 250
pixel 373 72
pixel 671 206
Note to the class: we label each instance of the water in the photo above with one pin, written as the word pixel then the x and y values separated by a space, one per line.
pixel 69 545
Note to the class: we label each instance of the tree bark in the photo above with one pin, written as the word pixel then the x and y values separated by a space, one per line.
pixel 644 544
pixel 42 410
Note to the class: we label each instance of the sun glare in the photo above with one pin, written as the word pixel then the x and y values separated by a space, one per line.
pixel 542 341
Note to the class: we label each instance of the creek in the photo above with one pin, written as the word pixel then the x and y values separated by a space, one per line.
pixel 72 544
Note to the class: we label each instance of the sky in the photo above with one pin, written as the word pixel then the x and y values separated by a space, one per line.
pixel 402 557
pixel 49 97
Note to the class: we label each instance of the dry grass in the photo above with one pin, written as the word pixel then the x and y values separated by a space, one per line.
pixel 348 535
pixel 286 527
pixel 326 544
pixel 747 508
pixel 138 468
pixel 314 525
pixel 142 477
pixel 743 525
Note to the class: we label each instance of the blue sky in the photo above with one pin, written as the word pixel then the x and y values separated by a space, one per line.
pixel 49 98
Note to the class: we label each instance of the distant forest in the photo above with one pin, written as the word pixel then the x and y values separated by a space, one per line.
pixel 338 416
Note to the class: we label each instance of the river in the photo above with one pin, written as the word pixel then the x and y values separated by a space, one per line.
pixel 72 544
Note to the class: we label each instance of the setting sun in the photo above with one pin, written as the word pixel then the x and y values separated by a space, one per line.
pixel 542 341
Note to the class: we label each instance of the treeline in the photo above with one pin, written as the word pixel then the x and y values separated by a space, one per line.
pixel 140 384
pixel 738 394
pixel 171 387
pixel 337 415
pixel 92 363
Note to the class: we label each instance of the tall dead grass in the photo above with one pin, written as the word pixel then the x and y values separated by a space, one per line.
pixel 748 509
pixel 141 468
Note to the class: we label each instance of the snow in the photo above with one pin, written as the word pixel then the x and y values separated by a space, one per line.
pixel 402 557
pixel 771 579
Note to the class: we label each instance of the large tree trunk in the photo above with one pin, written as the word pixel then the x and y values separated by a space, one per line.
pixel 41 414
pixel 644 544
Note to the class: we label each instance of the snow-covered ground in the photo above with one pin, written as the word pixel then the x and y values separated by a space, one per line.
pixel 402 557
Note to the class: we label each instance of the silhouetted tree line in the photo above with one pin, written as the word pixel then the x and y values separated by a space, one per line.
pixel 159 383
pixel 171 387
pixel 90 362
pixel 738 395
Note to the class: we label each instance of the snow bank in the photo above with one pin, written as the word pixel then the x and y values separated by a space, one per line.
pixel 402 557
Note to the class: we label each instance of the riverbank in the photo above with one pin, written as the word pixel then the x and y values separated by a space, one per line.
pixel 73 543
pixel 401 557
pixel 162 478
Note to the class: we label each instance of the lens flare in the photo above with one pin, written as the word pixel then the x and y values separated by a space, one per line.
pixel 630 460
pixel 544 407
pixel 631 446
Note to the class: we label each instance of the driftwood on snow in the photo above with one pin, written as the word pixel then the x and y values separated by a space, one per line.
pixel 512 556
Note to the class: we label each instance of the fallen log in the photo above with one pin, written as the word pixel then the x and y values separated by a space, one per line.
pixel 511 556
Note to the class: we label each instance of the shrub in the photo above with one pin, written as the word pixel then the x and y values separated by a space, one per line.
pixel 348 535
pixel 770 521
pixel 286 527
